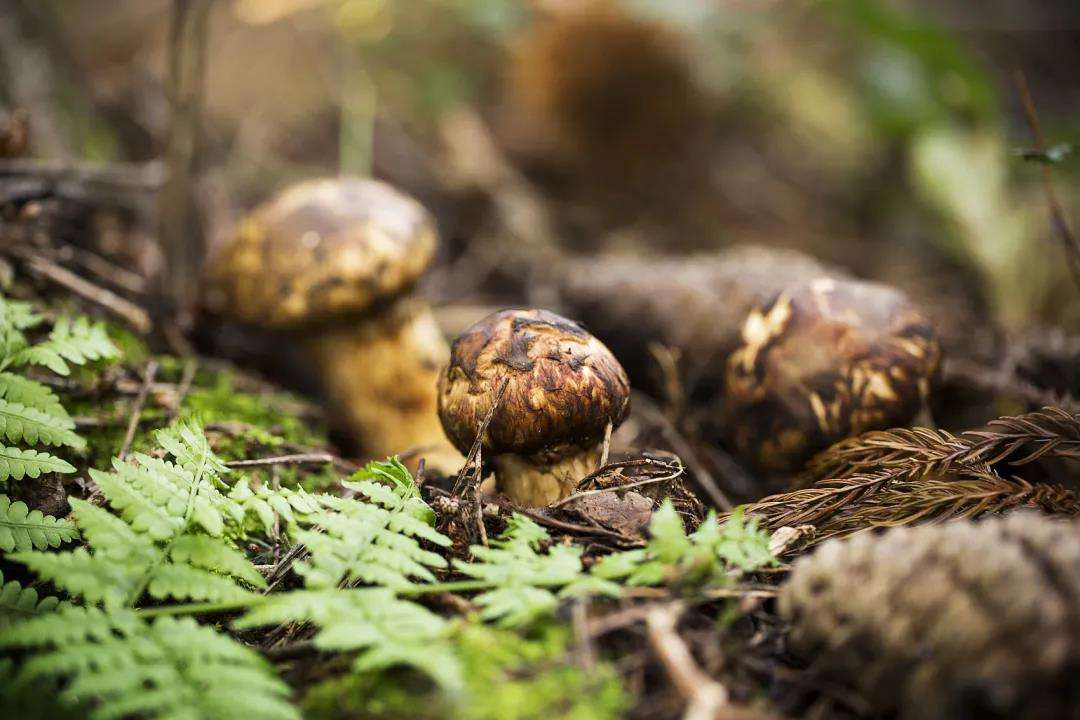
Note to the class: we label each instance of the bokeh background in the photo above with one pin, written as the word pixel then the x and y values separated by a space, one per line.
pixel 887 136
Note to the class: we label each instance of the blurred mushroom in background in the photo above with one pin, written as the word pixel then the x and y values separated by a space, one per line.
pixel 331 262
pixel 784 355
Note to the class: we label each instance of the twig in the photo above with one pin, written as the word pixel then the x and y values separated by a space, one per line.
pixel 1069 242
pixel 606 448
pixel 474 451
pixel 579 616
pixel 575 528
pixel 126 310
pixel 298 459
pixel 678 470
pixel 683 449
pixel 191 365
pixel 705 697
pixel 136 411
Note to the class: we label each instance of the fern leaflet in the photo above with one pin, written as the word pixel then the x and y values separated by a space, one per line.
pixel 166 538
pixel 712 554
pixel 119 665
pixel 521 576
pixel 23 529
pixel 19 603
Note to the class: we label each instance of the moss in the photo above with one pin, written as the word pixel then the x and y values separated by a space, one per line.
pixel 508 677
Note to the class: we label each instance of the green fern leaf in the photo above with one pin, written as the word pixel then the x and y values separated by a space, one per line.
pixel 17 464
pixel 144 501
pixel 109 536
pixel 387 630
pixel 187 443
pixel 97 579
pixel 31 393
pixel 19 603
pixel 213 554
pixel 712 554
pixel 19 423
pixel 167 668
pixel 77 342
pixel 183 582
pixel 522 577
pixel 23 529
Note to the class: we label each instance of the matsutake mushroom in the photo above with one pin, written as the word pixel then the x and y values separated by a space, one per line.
pixel 554 389
pixel 332 262
pixel 798 355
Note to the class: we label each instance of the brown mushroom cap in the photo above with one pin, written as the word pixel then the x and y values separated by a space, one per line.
pixel 563 385
pixel 826 359
pixel 319 250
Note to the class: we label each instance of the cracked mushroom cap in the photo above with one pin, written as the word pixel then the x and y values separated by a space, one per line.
pixel 824 360
pixel 563 385
pixel 319 250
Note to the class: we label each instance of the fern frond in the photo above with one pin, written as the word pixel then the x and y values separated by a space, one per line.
pixel 184 582
pixel 387 630
pixel 95 578
pixel 208 553
pixel 377 544
pixel 167 668
pixel 77 342
pixel 31 393
pixel 18 603
pixel 25 529
pixel 521 576
pixel 712 554
pixel 187 443
pixel 18 315
pixel 19 423
pixel 16 464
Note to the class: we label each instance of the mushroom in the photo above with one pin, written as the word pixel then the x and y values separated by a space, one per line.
pixel 331 262
pixel 795 354
pixel 557 389
pixel 826 359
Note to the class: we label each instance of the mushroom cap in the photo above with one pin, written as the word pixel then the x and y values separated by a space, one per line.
pixel 563 386
pixel 320 250
pixel 825 359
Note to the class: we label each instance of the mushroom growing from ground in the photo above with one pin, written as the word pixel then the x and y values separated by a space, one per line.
pixel 331 262
pixel 562 389
pixel 788 355
pixel 826 359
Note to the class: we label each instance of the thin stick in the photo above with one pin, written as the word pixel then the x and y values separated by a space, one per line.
pixel 704 697
pixel 1057 216
pixel 298 459
pixel 606 447
pixel 124 309
pixel 137 408
pixel 639 483
pixel 182 390
pixel 474 451
pixel 575 528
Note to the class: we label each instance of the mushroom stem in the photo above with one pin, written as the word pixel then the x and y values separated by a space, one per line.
pixel 381 376
pixel 536 481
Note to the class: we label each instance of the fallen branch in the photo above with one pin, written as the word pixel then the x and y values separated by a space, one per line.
pixel 705 698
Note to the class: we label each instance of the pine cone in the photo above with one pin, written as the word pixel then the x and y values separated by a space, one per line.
pixel 959 620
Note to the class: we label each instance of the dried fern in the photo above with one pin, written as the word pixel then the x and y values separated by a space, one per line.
pixel 902 476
